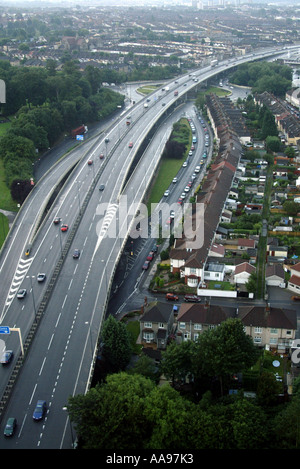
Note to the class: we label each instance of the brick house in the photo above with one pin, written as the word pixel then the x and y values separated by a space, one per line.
pixel 156 324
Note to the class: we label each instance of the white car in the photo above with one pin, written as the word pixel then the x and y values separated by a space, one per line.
pixel 197 169
pixel 166 193
pixel 174 180
pixel 184 164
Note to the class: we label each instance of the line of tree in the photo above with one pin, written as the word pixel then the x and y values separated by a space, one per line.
pixel 129 410
pixel 264 76
pixel 46 104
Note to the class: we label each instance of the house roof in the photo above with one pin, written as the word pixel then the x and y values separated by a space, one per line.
pixel 296 267
pixel 295 280
pixel 250 243
pixel 244 267
pixel 204 313
pixel 157 312
pixel 274 270
pixel 259 316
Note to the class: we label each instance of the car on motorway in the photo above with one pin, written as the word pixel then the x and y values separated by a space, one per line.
pixel 90 162
pixel 21 293
pixel 101 156
pixel 64 227
pixel 192 298
pixel 56 220
pixel 101 188
pixel 41 277
pixel 6 357
pixel 163 104
pixel 40 410
pixel 166 193
pixel 171 297
pixel 130 145
pixel 106 140
pixel 76 254
pixel 146 265
pixel 174 180
pixel 10 426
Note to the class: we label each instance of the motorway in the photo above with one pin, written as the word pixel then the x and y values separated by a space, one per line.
pixel 60 360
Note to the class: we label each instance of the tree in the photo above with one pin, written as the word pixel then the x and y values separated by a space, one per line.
pixel 291 207
pixel 176 362
pixel 224 351
pixel 112 415
pixel 116 348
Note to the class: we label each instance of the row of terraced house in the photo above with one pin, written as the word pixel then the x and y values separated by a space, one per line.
pixel 269 327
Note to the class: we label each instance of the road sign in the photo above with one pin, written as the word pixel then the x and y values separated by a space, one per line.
pixel 4 330
pixel 79 137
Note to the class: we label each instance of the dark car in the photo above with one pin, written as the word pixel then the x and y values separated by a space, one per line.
pixel 106 140
pixel 21 293
pixel 56 220
pixel 101 188
pixel 171 296
pixel 10 426
pixel 295 298
pixel 154 248
pixel 64 227
pixel 192 298
pixel 76 254
pixel 41 277
pixel 6 357
pixel 40 410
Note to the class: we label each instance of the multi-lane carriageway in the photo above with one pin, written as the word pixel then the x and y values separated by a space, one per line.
pixel 69 307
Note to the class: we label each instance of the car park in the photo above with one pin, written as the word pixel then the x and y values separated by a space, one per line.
pixel 146 265
pixel 21 293
pixel 10 426
pixel 64 227
pixel 6 357
pixel 101 188
pixel 41 277
pixel 171 297
pixel 192 298
pixel 76 254
pixel 40 410
pixel 166 193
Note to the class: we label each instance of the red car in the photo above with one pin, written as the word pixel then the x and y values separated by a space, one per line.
pixel 101 156
pixel 171 296
pixel 130 145
pixel 90 162
pixel 64 227
pixel 150 256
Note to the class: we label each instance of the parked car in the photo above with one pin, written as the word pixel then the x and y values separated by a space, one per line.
pixel 171 296
pixel 295 298
pixel 150 256
pixel 192 298
pixel 146 265
pixel 10 426
pixel 40 410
